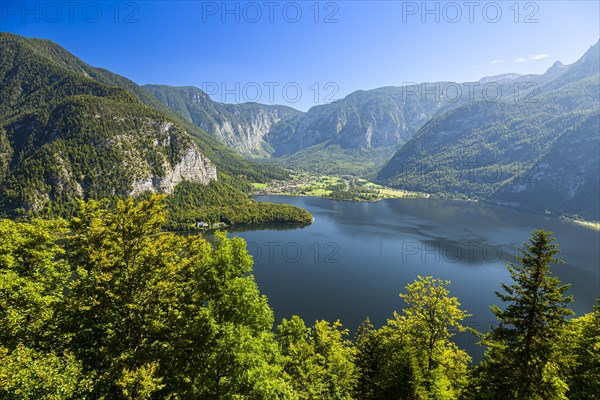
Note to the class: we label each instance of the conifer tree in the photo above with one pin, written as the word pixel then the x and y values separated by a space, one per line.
pixel 521 360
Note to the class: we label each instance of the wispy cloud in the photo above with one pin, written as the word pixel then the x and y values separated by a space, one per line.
pixel 531 57
pixel 498 61
pixel 540 56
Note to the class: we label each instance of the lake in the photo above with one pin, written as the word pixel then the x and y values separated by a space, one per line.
pixel 356 258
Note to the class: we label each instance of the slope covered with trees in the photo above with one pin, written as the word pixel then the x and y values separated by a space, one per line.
pixel 67 135
pixel 68 131
pixel 537 152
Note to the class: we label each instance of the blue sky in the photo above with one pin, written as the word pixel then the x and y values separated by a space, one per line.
pixel 305 53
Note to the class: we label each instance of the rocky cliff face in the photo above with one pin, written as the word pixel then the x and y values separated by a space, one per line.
pixel 193 167
pixel 248 124
pixel 385 117
pixel 240 126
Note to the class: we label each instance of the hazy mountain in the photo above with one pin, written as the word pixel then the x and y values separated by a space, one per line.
pixel 363 126
pixel 565 178
pixel 354 135
pixel 358 134
pixel 478 139
pixel 499 78
pixel 240 126
pixel 364 119
pixel 491 150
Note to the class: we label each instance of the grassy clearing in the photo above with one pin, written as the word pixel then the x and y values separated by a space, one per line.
pixel 334 187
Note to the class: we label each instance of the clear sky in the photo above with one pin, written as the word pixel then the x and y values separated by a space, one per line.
pixel 271 51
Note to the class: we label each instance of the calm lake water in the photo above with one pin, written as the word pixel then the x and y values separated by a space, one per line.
pixel 356 258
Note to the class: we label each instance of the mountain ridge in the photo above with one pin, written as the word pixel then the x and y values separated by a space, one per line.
pixel 240 126
pixel 491 150
pixel 364 127
pixel 66 134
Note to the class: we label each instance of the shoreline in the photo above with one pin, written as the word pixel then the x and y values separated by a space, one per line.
pixel 594 225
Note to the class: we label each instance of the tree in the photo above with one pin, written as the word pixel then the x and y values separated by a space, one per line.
pixel 581 345
pixel 428 323
pixel 28 374
pixel 33 275
pixel 387 365
pixel 521 361
pixel 369 356
pixel 34 360
pixel 153 314
pixel 115 308
pixel 318 361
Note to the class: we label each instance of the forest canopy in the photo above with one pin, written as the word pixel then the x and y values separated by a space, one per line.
pixel 108 305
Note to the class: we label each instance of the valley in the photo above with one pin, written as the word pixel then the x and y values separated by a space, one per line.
pixel 346 188
pixel 540 155
pixel 507 149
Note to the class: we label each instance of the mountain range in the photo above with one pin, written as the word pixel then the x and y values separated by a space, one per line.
pixel 240 126
pixel 496 139
pixel 539 153
pixel 69 130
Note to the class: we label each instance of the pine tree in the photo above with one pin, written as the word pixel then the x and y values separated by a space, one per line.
pixel 521 360
pixel 369 356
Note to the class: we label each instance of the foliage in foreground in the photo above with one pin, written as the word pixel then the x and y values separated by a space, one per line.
pixel 107 306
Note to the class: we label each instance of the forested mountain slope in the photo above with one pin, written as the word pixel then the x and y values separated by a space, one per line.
pixel 69 131
pixel 500 150
pixel 65 134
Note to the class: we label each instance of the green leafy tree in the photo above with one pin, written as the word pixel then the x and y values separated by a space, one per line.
pixel 522 359
pixel 369 356
pixel 581 345
pixel 34 361
pixel 33 275
pixel 387 364
pixel 429 321
pixel 318 361
pixel 156 315
pixel 28 374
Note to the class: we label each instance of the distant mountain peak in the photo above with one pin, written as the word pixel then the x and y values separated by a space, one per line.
pixel 501 77
pixel 557 67
pixel 593 53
